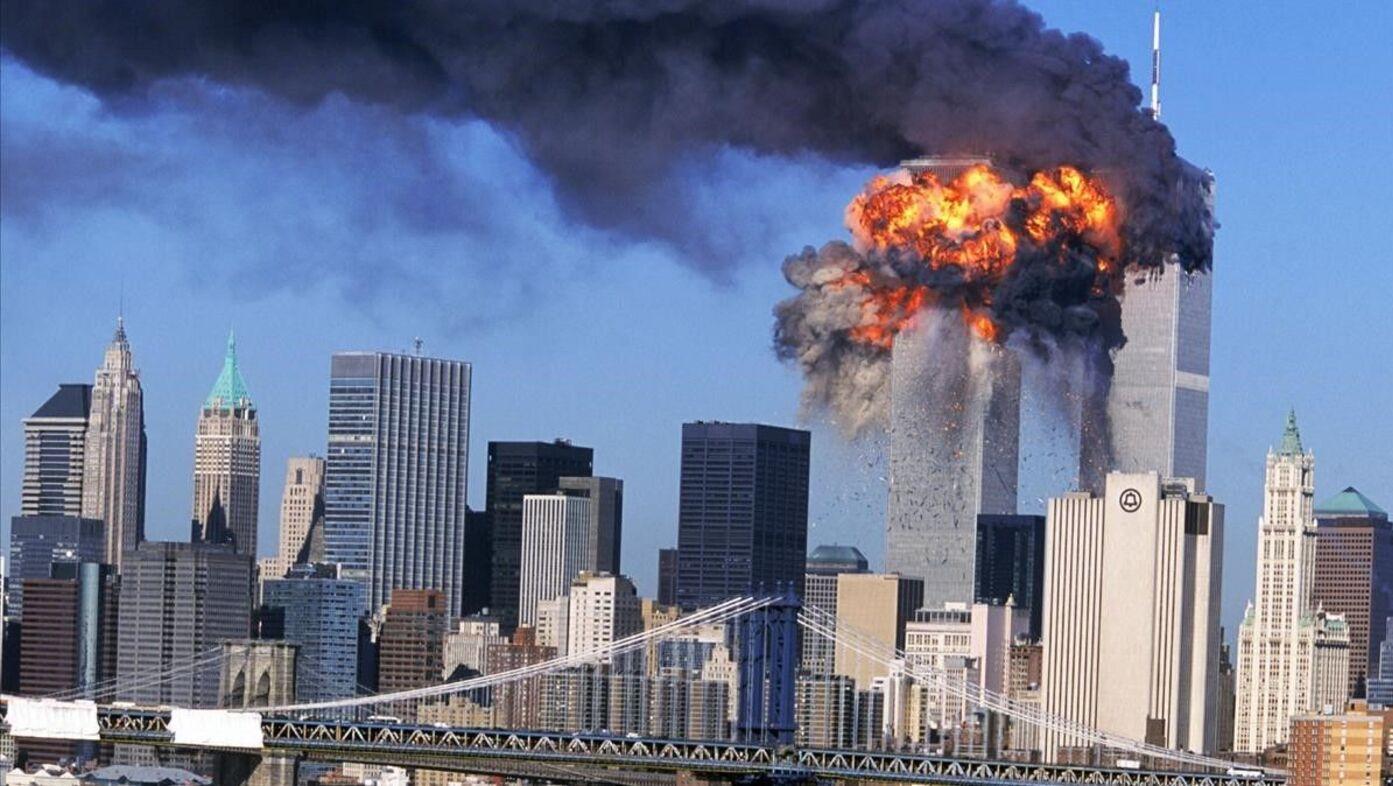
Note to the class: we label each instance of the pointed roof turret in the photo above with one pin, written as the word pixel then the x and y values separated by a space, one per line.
pixel 1291 437
pixel 230 391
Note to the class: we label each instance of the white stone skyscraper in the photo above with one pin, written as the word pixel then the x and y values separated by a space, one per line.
pixel 1292 658
pixel 113 487
pixel 302 508
pixel 395 475
pixel 227 462
pixel 556 546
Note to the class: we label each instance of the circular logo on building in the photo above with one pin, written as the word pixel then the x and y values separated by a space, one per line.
pixel 1130 500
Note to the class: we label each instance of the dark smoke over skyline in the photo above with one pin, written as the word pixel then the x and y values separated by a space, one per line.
pixel 610 100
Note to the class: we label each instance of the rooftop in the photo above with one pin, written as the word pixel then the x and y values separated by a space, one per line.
pixel 71 401
pixel 838 555
pixel 1351 502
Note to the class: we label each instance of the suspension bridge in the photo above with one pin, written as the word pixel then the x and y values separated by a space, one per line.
pixel 737 724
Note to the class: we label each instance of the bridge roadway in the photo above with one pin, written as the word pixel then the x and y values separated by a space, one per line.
pixel 499 751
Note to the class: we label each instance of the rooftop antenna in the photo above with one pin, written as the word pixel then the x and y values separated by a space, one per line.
pixel 1156 64
pixel 416 344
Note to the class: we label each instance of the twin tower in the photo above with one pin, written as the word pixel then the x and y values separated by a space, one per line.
pixel 956 417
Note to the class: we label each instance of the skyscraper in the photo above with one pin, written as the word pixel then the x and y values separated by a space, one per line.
pixel 556 546
pixel 227 462
pixel 1011 565
pixel 954 449
pixel 1354 575
pixel 54 454
pixel 515 470
pixel 302 509
pixel 320 612
pixel 177 601
pixel 395 475
pixel 1131 623
pixel 742 518
pixel 1158 403
pixel 38 542
pixel 113 487
pixel 606 497
pixel 820 591
pixel 1285 649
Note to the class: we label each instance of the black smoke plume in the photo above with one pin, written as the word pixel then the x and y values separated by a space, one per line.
pixel 610 99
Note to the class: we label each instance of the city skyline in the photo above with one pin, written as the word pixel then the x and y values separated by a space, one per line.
pixel 1248 392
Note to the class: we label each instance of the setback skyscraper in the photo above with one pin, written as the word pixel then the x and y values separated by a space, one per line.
pixel 742 518
pixel 395 474
pixel 54 454
pixel 227 462
pixel 515 470
pixel 113 487
pixel 1287 650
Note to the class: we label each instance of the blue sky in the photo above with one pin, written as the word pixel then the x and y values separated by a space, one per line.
pixel 347 227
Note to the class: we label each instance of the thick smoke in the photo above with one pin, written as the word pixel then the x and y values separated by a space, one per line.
pixel 612 99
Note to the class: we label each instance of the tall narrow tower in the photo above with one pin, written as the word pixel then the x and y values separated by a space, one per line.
pixel 113 486
pixel 227 462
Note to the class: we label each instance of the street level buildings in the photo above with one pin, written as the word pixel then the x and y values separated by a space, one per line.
pixel 742 520
pixel 177 601
pixel 113 486
pixel 227 462
pixel 1289 651
pixel 1131 622
pixel 1354 575
pixel 515 470
pixel 55 455
pixel 395 473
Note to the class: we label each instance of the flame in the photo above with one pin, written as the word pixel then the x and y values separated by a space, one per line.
pixel 980 224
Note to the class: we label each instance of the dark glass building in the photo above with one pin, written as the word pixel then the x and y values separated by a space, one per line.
pixel 742 521
pixel 516 469
pixel 1011 564
pixel 37 542
pixel 667 577
pixel 1354 575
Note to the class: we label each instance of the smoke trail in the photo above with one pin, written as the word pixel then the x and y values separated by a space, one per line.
pixel 610 99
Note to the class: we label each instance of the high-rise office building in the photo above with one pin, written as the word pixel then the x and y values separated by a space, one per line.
pixel 556 547
pixel 606 497
pixel 38 542
pixel 302 510
pixel 1131 623
pixel 478 562
pixel 877 605
pixel 177 601
pixel 320 613
pixel 113 487
pixel 411 644
pixel 825 563
pixel 1354 575
pixel 954 449
pixel 55 455
pixel 1285 649
pixel 515 470
pixel 395 475
pixel 603 608
pixel 1011 565
pixel 667 577
pixel 1158 402
pixel 742 520
pixel 227 462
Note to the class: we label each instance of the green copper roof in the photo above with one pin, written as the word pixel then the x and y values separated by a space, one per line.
pixel 230 390
pixel 1350 503
pixel 1291 438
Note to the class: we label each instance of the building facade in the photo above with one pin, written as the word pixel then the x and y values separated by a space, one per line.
pixel 1284 646
pixel 606 524
pixel 742 521
pixel 954 451
pixel 320 613
pixel 227 462
pixel 39 542
pixel 178 600
pixel 1010 565
pixel 667 577
pixel 876 605
pixel 113 487
pixel 515 470
pixel 1131 623
pixel 55 437
pixel 1354 575
pixel 603 608
pixel 302 511
pixel 395 474
pixel 824 565
pixel 1348 748
pixel 556 546
pixel 411 644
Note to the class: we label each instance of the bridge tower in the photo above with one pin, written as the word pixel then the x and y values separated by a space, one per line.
pixel 769 650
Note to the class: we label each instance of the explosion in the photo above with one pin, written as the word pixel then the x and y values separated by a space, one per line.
pixel 1045 256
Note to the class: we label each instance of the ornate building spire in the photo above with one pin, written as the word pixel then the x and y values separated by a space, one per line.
pixel 230 391
pixel 1291 437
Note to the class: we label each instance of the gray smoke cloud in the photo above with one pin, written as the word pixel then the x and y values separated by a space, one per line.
pixel 612 99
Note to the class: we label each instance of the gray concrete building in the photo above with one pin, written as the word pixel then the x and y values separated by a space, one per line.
pixel 395 476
